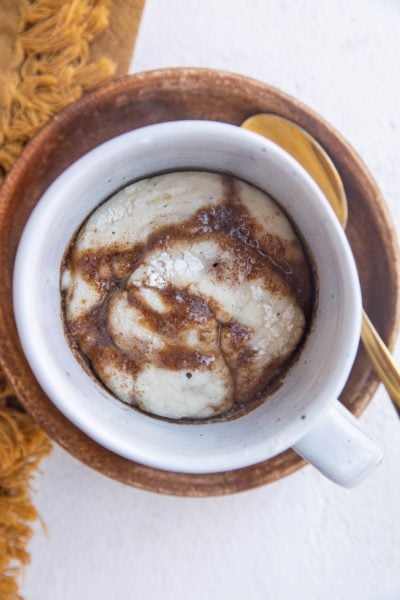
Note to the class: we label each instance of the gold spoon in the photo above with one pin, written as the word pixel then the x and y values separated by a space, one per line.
pixel 308 152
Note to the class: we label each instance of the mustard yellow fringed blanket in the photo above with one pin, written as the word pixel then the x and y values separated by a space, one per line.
pixel 51 51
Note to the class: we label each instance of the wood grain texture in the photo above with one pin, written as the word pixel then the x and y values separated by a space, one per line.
pixel 167 95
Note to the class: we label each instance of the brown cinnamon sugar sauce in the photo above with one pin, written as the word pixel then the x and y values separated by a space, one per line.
pixel 222 341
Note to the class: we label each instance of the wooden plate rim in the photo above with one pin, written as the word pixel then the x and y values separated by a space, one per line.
pixel 12 359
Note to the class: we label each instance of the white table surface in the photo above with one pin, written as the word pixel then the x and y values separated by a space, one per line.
pixel 302 537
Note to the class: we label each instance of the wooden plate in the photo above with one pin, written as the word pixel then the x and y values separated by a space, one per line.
pixel 168 95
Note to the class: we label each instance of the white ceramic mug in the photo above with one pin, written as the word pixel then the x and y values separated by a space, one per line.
pixel 303 413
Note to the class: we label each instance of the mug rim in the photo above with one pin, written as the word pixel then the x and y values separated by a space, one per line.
pixel 23 260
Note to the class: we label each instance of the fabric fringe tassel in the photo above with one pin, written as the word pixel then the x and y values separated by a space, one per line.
pixel 51 68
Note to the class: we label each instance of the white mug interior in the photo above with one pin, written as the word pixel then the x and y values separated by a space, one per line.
pixel 310 386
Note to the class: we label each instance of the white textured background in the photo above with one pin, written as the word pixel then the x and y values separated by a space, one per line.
pixel 303 537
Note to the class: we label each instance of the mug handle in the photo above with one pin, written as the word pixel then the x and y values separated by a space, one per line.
pixel 339 449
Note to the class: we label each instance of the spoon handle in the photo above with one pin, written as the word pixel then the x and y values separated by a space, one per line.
pixel 382 360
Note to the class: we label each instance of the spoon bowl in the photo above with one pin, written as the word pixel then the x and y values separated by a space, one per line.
pixel 308 152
